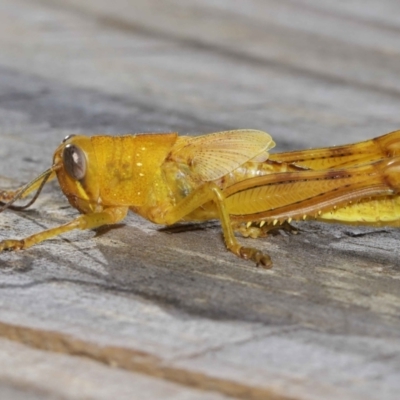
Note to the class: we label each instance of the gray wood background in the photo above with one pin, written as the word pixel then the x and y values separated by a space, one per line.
pixel 139 312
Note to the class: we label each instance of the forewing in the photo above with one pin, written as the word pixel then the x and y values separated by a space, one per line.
pixel 368 151
pixel 212 156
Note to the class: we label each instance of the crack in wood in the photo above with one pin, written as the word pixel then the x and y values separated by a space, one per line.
pixel 133 360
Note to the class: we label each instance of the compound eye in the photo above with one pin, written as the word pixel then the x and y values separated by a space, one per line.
pixel 68 137
pixel 74 162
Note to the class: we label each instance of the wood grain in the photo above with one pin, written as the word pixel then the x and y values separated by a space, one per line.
pixel 173 304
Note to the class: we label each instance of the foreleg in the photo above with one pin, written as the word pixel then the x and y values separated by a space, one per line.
pixel 85 221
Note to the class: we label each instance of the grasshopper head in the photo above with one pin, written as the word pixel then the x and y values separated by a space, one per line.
pixel 77 173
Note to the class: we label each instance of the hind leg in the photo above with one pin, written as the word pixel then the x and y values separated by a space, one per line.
pixel 262 229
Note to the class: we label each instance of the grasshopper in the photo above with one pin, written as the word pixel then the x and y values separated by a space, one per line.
pixel 229 176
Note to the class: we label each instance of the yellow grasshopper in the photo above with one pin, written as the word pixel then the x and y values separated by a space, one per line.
pixel 229 176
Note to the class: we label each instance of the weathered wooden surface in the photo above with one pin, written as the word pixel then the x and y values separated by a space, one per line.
pixel 174 305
